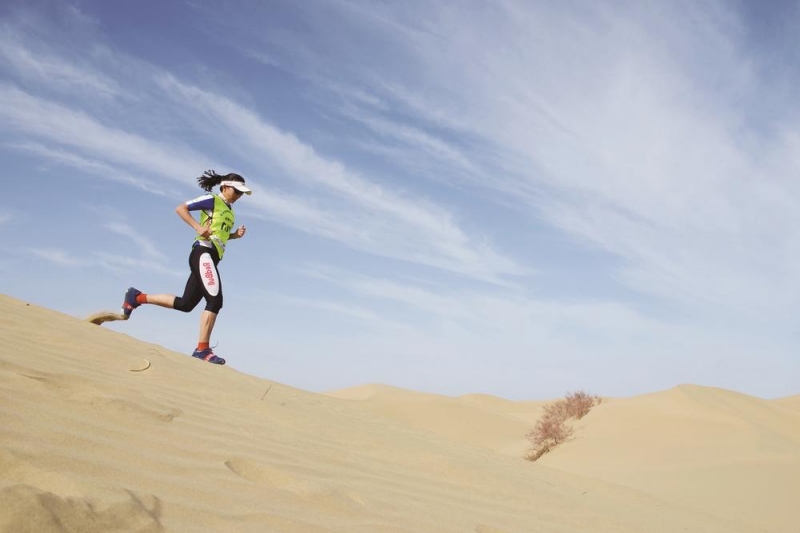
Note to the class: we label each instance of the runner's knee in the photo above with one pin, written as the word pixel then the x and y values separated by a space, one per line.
pixel 214 304
pixel 183 305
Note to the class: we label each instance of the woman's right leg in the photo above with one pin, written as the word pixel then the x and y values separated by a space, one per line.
pixel 163 300
pixel 192 292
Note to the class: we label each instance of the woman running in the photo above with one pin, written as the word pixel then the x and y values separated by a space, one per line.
pixel 213 232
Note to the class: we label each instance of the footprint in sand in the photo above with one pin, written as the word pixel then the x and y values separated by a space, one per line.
pixel 77 389
pixel 336 499
pixel 54 382
pixel 139 366
pixel 260 473
pixel 104 402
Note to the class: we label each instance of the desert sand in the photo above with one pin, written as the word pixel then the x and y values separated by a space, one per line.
pixel 103 432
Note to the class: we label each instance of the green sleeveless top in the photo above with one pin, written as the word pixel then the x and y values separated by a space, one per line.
pixel 220 220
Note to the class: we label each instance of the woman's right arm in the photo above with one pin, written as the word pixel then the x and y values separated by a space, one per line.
pixel 186 216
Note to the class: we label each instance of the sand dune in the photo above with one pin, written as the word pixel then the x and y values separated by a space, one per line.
pixel 790 401
pixel 92 439
pixel 713 450
pixel 481 420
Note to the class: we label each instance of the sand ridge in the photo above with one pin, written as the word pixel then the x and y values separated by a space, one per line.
pixel 790 401
pixel 710 449
pixel 481 420
pixel 86 444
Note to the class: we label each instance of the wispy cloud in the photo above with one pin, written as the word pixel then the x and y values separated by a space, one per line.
pixel 126 264
pixel 344 204
pixel 54 122
pixel 51 69
pixel 57 256
pixel 385 221
pixel 92 166
pixel 495 316
pixel 616 132
pixel 683 198
pixel 421 142
pixel 369 321
pixel 147 247
pixel 114 262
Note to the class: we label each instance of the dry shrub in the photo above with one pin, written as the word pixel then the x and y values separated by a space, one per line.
pixel 549 432
pixel 578 404
pixel 552 428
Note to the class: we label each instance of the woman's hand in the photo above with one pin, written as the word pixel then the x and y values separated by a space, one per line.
pixel 202 231
pixel 239 233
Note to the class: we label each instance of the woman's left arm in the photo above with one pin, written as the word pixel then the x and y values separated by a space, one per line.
pixel 239 233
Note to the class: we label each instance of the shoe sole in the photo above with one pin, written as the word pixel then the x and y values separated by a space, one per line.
pixel 127 312
pixel 220 362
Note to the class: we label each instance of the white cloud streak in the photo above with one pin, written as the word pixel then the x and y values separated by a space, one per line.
pixel 126 264
pixel 344 205
pixel 421 141
pixel 54 122
pixel 93 167
pixel 499 317
pixel 50 69
pixel 623 127
pixel 384 221
pixel 146 245
pixel 113 262
pixel 369 322
pixel 57 256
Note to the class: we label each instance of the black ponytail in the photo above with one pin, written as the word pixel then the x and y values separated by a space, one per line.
pixel 210 179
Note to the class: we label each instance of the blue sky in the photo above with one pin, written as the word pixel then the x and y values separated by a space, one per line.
pixel 512 197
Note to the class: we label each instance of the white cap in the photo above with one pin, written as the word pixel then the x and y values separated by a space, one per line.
pixel 238 185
